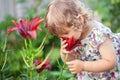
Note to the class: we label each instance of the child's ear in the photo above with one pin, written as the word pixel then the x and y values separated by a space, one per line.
pixel 81 19
pixel 78 28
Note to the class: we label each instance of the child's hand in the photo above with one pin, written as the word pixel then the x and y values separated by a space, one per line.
pixel 71 54
pixel 75 66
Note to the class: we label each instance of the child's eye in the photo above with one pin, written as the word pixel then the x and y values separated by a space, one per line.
pixel 66 32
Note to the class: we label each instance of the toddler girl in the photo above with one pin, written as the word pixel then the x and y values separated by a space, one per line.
pixel 96 55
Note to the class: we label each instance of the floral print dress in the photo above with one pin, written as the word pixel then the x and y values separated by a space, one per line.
pixel 89 52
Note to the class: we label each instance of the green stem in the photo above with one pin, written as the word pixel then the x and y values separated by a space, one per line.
pixel 37 76
pixel 61 72
pixel 39 51
pixel 31 75
pixel 31 64
pixel 30 44
pixel 39 48
pixel 25 43
pixel 25 60
pixel 4 47
pixel 4 61
pixel 4 51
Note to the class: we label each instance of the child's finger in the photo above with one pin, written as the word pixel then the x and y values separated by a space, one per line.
pixel 66 52
pixel 63 42
pixel 64 46
pixel 72 71
pixel 69 63
pixel 70 66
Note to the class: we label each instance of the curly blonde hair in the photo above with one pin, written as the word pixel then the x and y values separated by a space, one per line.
pixel 63 13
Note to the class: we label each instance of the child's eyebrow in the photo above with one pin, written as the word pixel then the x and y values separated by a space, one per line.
pixel 66 32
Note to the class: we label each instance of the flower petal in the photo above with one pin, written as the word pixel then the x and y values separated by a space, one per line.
pixel 34 27
pixel 72 43
pixel 38 28
pixel 9 30
pixel 46 65
pixel 38 62
pixel 32 34
pixel 24 35
pixel 15 23
pixel 24 26
pixel 33 21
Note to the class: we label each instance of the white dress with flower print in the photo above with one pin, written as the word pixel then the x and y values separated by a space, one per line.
pixel 89 52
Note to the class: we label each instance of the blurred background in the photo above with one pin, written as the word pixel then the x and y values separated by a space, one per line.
pixel 107 11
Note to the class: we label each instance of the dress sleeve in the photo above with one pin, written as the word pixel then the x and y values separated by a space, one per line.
pixel 98 35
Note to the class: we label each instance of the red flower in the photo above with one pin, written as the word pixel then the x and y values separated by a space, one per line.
pixel 72 43
pixel 27 30
pixel 46 65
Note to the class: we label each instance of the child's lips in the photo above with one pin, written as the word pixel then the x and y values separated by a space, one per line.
pixel 72 43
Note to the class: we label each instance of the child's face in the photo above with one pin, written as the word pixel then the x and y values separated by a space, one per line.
pixel 71 31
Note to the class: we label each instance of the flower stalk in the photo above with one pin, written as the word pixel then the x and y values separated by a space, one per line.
pixel 63 67
pixel 4 51
pixel 40 48
pixel 4 61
